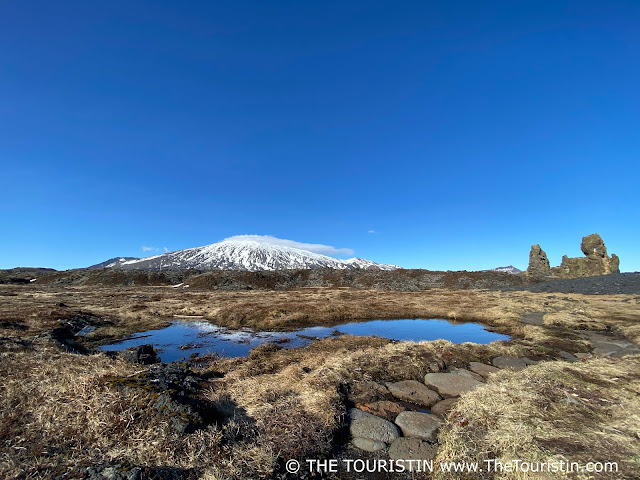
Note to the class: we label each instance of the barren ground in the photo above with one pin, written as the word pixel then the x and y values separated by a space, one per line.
pixel 61 415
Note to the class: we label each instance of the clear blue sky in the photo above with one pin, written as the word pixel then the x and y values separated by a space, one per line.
pixel 460 133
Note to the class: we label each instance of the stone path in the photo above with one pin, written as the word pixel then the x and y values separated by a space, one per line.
pixel 414 392
pixel 396 416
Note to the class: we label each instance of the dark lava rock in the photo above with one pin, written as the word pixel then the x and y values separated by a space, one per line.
pixel 182 416
pixel 69 328
pixel 172 385
pixel 401 279
pixel 115 472
pixel 19 281
pixel 64 339
pixel 174 378
pixel 81 321
pixel 144 354
pixel 14 325
pixel 612 284
pixel 122 472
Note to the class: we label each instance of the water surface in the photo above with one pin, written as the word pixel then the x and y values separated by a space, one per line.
pixel 184 338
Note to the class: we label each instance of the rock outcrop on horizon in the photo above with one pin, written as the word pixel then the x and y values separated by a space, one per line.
pixel 595 262
pixel 538 262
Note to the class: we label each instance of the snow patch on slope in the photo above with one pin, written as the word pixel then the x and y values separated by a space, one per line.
pixel 247 255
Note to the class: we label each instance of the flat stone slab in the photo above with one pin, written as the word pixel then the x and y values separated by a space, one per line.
pixel 450 384
pixel 369 426
pixel 414 392
pixel 483 369
pixel 568 356
pixel 508 361
pixel 626 351
pixel 367 391
pixel 442 408
pixel 467 373
pixel 382 408
pixel 407 448
pixel 419 425
pixel 367 444
pixel 605 349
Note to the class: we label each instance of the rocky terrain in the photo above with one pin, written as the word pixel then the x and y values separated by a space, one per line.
pixel 565 386
pixel 595 262
pixel 22 275
pixel 401 279
pixel 69 411
pixel 611 284
pixel 403 418
pixel 398 280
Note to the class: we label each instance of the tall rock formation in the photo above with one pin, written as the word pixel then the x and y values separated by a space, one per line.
pixel 595 262
pixel 538 263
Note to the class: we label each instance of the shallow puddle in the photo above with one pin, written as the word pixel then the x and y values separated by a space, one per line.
pixel 184 338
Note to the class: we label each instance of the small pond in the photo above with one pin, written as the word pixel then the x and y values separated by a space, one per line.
pixel 184 338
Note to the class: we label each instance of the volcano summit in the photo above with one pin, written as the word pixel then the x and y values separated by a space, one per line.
pixel 244 255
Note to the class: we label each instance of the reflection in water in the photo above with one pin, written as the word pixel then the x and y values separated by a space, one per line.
pixel 184 338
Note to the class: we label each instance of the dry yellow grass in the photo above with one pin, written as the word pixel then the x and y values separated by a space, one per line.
pixel 584 412
pixel 133 309
pixel 58 413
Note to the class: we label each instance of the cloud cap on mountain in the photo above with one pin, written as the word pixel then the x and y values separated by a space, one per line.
pixel 309 247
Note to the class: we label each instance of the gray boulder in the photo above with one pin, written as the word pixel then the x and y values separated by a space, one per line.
pixel 414 392
pixel 366 425
pixel 419 425
pixel 508 361
pixel 450 384
pixel 568 356
pixel 442 408
pixel 483 369
pixel 367 444
pixel 407 448
pixel 467 373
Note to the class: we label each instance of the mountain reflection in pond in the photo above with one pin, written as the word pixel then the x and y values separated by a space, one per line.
pixel 184 338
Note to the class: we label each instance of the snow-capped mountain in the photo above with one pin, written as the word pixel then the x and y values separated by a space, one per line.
pixel 246 255
pixel 507 269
